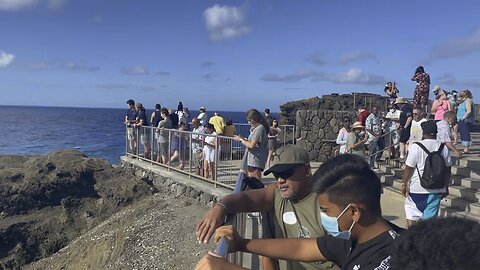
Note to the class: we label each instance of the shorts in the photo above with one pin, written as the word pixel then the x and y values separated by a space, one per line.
pixel 404 135
pixel 197 156
pixel 131 134
pixel 144 135
pixel 209 154
pixel 163 148
pixel 422 206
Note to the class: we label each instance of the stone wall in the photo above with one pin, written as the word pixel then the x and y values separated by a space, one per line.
pixel 317 130
pixel 177 184
pixel 332 102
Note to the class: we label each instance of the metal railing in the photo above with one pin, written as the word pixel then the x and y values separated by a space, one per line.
pixel 187 152
pixel 285 136
pixel 238 221
pixel 389 142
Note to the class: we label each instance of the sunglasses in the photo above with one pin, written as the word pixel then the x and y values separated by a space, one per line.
pixel 285 174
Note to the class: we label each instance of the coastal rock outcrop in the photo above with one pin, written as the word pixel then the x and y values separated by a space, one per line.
pixel 47 201
pixel 332 102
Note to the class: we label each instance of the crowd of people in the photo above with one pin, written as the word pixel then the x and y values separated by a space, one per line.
pixel 400 126
pixel 332 219
pixel 205 145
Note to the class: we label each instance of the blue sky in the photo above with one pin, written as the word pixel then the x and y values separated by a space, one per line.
pixel 229 55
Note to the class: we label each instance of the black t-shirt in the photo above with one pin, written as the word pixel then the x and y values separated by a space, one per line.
pixel 407 111
pixel 131 114
pixel 143 116
pixel 373 254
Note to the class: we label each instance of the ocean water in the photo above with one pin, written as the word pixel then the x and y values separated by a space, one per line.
pixel 97 132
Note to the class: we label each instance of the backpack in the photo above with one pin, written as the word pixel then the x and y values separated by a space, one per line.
pixel 434 170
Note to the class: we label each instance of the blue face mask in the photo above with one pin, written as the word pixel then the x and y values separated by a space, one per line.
pixel 331 225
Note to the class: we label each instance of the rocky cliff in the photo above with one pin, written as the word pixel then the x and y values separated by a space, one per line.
pixel 47 201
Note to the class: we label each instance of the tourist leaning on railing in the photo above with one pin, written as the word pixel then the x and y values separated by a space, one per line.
pixel 290 198
pixel 257 144
pixel 349 195
pixel 162 156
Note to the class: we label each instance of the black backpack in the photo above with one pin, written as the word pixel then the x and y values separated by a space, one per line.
pixel 435 169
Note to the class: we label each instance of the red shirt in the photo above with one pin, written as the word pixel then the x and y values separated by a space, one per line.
pixel 362 116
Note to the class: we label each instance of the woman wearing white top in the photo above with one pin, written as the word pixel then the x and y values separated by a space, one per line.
pixel 343 135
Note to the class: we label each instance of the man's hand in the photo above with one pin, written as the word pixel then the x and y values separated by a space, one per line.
pixel 210 221
pixel 212 262
pixel 404 190
pixel 236 241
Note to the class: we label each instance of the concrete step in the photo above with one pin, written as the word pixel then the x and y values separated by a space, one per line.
pixel 468 182
pixel 446 211
pixel 462 205
pixel 451 202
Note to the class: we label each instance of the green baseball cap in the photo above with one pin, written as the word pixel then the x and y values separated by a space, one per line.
pixel 287 157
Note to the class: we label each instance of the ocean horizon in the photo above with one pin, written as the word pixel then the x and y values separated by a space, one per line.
pixel 97 132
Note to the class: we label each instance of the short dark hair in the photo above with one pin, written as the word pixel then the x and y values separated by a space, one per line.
pixel 165 111
pixel 131 102
pixel 348 179
pixel 158 107
pixel 438 244
pixel 267 110
pixel 210 126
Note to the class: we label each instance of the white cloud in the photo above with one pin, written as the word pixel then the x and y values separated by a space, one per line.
pixel 163 73
pixel 351 76
pixel 456 48
pixel 81 67
pixel 356 57
pixel 137 70
pixel 294 77
pixel 6 59
pixel 225 22
pixel 23 4
pixel 16 4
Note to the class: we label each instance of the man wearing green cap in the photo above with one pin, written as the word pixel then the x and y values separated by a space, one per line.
pixel 296 213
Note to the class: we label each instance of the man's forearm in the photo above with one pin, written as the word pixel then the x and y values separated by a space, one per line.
pixel 294 249
pixel 407 174
pixel 257 200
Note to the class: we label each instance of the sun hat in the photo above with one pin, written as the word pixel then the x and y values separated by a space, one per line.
pixel 358 124
pixel 287 157
pixel 400 100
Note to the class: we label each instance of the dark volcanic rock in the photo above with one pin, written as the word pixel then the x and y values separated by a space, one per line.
pixel 46 201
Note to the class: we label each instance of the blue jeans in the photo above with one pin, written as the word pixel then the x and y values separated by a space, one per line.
pixel 464 129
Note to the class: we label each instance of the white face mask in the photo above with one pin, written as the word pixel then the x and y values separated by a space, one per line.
pixel 331 225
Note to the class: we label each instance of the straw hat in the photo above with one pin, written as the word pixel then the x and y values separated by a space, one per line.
pixel 358 124
pixel 400 100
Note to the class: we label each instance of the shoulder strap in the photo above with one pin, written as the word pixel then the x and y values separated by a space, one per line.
pixel 423 147
pixel 440 149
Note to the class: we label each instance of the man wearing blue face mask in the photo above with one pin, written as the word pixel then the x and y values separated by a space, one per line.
pixel 290 198
pixel 359 238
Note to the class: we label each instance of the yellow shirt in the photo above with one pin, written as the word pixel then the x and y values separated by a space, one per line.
pixel 218 122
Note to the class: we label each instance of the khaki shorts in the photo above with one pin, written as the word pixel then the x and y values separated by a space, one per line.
pixel 131 134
